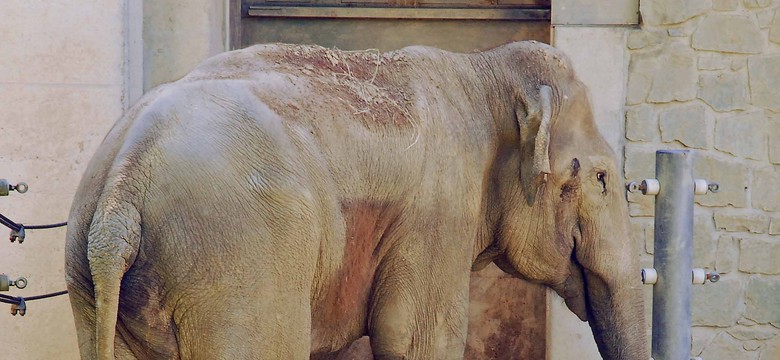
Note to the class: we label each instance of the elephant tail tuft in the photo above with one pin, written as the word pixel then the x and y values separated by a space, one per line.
pixel 112 245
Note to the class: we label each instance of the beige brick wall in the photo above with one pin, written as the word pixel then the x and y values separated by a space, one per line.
pixel 704 75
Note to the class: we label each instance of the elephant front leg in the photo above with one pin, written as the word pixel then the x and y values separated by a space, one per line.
pixel 419 313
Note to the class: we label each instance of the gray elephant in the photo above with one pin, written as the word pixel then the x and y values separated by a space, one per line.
pixel 281 201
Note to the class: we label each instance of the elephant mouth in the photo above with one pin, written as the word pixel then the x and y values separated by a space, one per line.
pixel 573 290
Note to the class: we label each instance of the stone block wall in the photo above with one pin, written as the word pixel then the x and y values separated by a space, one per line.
pixel 705 75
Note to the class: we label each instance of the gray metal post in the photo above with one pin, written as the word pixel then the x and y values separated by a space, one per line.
pixel 673 255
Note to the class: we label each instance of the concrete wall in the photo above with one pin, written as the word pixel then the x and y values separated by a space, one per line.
pixel 68 70
pixel 64 79
pixel 178 35
pixel 600 59
pixel 704 75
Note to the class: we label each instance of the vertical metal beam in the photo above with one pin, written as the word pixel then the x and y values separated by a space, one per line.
pixel 673 255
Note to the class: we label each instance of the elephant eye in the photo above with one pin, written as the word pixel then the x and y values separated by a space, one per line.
pixel 601 176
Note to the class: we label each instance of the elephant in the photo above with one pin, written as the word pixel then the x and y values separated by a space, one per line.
pixel 281 201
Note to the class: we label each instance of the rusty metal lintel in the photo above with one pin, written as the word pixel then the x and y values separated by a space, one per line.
pixel 397 13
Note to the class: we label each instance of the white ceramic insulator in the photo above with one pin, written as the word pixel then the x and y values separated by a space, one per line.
pixel 651 186
pixel 649 276
pixel 700 186
pixel 699 276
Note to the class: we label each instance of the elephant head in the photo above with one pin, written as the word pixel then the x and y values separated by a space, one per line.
pixel 559 213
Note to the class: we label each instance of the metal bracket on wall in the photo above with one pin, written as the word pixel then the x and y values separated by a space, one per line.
pixel 6 283
pixel 6 188
pixel 18 303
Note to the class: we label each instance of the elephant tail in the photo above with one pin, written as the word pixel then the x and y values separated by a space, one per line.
pixel 112 245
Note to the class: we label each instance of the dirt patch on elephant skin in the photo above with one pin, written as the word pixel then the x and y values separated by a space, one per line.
pixel 570 188
pixel 344 309
pixel 369 83
pixel 146 328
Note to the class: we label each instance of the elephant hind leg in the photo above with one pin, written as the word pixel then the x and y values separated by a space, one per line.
pixel 122 350
pixel 244 324
pixel 84 316
pixel 144 324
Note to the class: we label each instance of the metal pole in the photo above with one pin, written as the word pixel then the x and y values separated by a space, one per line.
pixel 673 255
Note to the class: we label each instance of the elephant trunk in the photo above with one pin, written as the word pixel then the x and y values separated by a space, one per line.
pixel 616 317
pixel 613 289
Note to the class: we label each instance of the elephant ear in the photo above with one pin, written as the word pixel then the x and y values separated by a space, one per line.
pixel 534 116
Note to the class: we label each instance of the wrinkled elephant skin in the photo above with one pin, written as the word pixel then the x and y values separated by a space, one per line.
pixel 281 201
